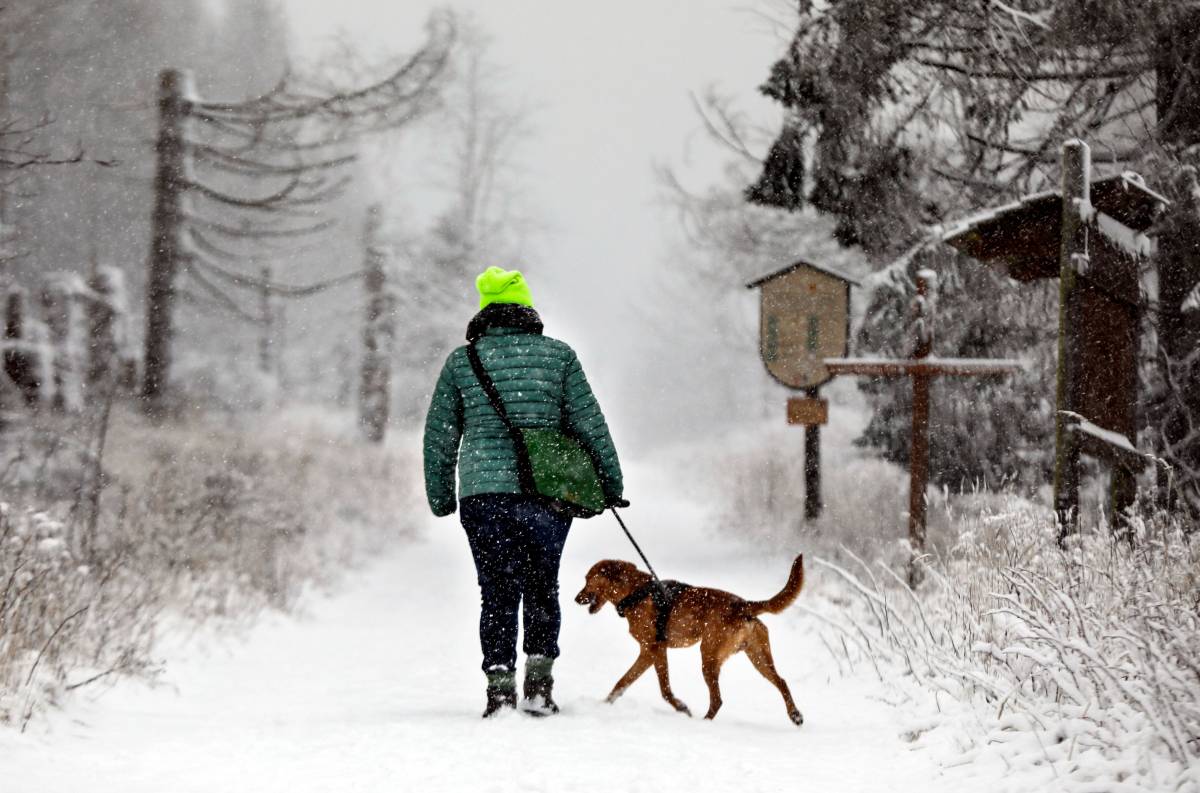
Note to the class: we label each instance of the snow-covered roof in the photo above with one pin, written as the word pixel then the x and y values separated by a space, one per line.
pixel 796 266
pixel 1024 235
pixel 1106 444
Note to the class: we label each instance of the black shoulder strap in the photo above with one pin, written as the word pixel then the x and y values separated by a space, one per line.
pixel 524 466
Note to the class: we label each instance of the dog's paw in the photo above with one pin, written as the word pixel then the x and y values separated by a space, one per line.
pixel 797 717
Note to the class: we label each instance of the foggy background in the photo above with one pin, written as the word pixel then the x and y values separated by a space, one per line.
pixel 605 98
pixel 608 91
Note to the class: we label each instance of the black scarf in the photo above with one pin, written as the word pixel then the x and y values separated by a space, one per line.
pixel 504 315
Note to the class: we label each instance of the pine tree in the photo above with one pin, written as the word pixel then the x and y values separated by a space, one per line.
pixel 913 112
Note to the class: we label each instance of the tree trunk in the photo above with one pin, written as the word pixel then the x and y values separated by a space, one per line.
pixel 104 310
pixel 1177 105
pixel 166 248
pixel 22 360
pixel 374 396
pixel 266 314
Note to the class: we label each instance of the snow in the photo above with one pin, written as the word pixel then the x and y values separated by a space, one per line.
pixel 1083 426
pixel 992 213
pixel 378 688
pixel 1124 238
pixel 901 366
pixel 1192 301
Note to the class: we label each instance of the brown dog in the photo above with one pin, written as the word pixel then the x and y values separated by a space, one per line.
pixel 722 622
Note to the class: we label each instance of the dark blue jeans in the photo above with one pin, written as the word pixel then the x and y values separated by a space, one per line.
pixel 517 543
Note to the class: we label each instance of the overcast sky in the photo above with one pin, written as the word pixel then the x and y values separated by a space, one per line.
pixel 611 82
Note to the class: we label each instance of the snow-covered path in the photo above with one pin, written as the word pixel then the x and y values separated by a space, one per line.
pixel 378 688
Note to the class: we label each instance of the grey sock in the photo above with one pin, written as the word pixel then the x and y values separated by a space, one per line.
pixel 501 678
pixel 538 667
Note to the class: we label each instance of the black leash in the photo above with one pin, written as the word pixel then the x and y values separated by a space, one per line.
pixel 637 548
pixel 663 593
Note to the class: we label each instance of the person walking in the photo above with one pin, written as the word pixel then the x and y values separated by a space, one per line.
pixel 516 539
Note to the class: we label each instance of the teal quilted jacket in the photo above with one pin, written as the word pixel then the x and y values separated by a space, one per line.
pixel 543 386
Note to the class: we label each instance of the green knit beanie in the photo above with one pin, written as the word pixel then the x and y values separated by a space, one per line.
pixel 502 286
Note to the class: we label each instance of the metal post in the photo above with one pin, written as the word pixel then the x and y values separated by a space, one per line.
pixel 166 247
pixel 813 503
pixel 1076 195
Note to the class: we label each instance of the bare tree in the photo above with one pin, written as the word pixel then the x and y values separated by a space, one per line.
pixel 21 148
pixel 480 132
pixel 283 155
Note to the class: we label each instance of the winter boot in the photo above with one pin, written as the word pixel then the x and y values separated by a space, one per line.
pixel 501 692
pixel 538 687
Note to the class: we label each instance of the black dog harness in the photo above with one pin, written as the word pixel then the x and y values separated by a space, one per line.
pixel 664 599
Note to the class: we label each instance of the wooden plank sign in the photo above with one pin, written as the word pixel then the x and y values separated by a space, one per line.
pixel 1091 235
pixel 807 412
pixel 922 368
pixel 805 318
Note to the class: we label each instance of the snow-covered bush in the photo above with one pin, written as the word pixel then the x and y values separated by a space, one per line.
pixel 1076 665
pixel 233 384
pixel 212 518
pixel 755 476
pixel 65 623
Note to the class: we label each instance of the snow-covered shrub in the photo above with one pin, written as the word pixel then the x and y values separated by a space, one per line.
pixel 233 384
pixel 755 478
pixel 1078 664
pixel 217 517
pixel 64 622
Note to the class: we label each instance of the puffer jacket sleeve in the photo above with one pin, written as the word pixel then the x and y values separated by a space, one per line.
pixel 584 421
pixel 443 431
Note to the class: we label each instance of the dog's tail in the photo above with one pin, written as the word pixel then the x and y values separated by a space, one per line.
pixel 786 597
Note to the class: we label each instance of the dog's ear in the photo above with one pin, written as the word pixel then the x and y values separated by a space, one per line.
pixel 597 570
pixel 614 570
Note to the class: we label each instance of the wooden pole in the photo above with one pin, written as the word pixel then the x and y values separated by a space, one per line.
pixel 1076 193
pixel 918 462
pixel 813 503
pixel 166 248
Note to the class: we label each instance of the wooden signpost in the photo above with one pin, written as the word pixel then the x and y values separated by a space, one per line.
pixel 804 319
pixel 921 368
pixel 1094 243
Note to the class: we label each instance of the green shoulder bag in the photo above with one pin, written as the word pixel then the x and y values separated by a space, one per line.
pixel 550 463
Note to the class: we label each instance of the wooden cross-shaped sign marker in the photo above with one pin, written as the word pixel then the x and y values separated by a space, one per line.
pixel 922 368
